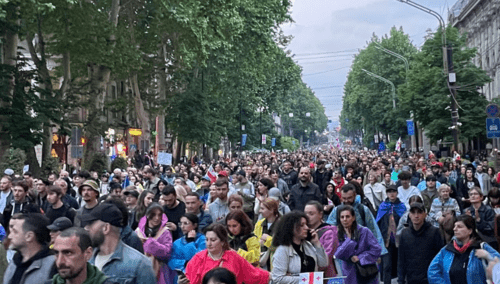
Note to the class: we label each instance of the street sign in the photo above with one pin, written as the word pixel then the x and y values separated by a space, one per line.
pixel 493 127
pixel 411 127
pixel 492 110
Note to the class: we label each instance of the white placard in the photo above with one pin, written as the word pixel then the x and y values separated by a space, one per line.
pixel 164 158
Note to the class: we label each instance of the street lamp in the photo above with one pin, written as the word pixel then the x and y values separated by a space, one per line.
pixel 393 89
pixel 448 69
pixel 378 46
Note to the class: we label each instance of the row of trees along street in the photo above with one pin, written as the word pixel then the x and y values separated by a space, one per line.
pixel 423 90
pixel 198 65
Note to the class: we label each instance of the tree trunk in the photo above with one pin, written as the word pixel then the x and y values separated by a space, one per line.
pixel 162 91
pixel 10 52
pixel 99 78
pixel 142 115
pixel 45 83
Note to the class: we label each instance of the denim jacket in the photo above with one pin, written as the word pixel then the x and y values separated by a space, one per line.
pixel 127 266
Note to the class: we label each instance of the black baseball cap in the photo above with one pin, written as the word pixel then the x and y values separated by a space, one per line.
pixel 417 205
pixel 106 212
pixel 60 224
pixel 132 192
pixel 391 187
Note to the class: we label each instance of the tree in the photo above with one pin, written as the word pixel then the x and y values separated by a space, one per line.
pixel 428 95
pixel 368 101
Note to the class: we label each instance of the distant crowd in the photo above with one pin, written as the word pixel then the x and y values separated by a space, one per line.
pixel 357 216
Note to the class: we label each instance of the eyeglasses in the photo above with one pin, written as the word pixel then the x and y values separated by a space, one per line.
pixel 474 193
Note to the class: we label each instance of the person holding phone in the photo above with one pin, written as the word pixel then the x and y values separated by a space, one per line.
pixel 157 240
pixel 300 253
pixel 186 247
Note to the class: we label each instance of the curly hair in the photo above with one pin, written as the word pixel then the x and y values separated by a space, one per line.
pixel 286 227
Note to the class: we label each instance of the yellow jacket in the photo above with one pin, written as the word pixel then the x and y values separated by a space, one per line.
pixel 258 231
pixel 249 250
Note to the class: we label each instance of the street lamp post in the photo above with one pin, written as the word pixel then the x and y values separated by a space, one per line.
pixel 448 68
pixel 407 66
pixel 393 89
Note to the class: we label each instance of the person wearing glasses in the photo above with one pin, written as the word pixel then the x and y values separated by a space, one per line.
pixel 484 216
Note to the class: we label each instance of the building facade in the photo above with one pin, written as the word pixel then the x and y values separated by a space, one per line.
pixel 480 19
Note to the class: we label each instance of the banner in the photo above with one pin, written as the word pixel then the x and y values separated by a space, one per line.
pixel 410 126
pixel 243 140
pixel 263 139
pixel 273 142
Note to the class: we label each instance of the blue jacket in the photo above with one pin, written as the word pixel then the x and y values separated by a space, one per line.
pixel 439 269
pixel 205 220
pixel 183 251
pixel 127 265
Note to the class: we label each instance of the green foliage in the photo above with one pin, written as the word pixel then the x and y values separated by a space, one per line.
pixel 368 101
pixel 98 162
pixel 119 163
pixel 428 95
pixel 50 165
pixel 287 143
pixel 14 159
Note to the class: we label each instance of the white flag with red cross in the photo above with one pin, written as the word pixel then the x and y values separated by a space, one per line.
pixel 311 278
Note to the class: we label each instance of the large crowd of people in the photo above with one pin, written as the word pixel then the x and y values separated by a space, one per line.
pixel 360 216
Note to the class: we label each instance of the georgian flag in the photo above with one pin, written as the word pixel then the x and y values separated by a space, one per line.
pixel 311 278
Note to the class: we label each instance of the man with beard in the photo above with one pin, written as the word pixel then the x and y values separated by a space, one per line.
pixel 114 258
pixel 33 262
pixel 73 249
pixel 321 175
pixel 288 174
pixel 304 191
pixel 41 197
pixel 89 190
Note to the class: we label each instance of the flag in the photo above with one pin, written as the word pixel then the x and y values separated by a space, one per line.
pixel 211 174
pixel 398 145
pixel 273 142
pixel 243 140
pixel 311 278
pixel 336 280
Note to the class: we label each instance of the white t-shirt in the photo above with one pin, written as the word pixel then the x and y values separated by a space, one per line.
pixel 404 195
pixel 101 260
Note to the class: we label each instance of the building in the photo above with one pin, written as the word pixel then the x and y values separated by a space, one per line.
pixel 480 19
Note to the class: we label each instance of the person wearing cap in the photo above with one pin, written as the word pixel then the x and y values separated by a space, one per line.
pixel 204 188
pixel 225 174
pixel 430 192
pixel 57 207
pixel 406 190
pixel 60 224
pixel 388 216
pixel 420 242
pixel 33 261
pixel 247 191
pixel 89 190
pixel 118 261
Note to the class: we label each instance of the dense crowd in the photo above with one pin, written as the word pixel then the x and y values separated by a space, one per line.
pixel 265 218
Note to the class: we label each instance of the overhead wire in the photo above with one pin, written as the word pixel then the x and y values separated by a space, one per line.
pixel 326 71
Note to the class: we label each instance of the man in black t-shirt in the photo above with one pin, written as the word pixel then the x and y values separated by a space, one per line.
pixel 56 207
pixel 174 209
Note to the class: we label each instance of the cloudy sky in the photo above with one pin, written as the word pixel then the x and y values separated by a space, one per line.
pixel 327 33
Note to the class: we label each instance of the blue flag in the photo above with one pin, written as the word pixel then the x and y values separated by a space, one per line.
pixel 381 146
pixel 243 140
pixel 273 142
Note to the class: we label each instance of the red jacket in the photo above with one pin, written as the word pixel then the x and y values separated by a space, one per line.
pixel 201 263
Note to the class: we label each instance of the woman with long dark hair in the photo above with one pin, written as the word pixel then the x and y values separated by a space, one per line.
pixel 145 199
pixel 298 249
pixel 243 241
pixel 356 244
pixel 458 262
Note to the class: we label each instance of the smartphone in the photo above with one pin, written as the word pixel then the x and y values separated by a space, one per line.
pixel 180 273
pixel 309 236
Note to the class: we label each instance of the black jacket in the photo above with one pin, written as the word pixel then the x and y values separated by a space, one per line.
pixel 416 251
pixel 299 196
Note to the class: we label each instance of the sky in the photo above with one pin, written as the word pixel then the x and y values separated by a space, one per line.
pixel 328 33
